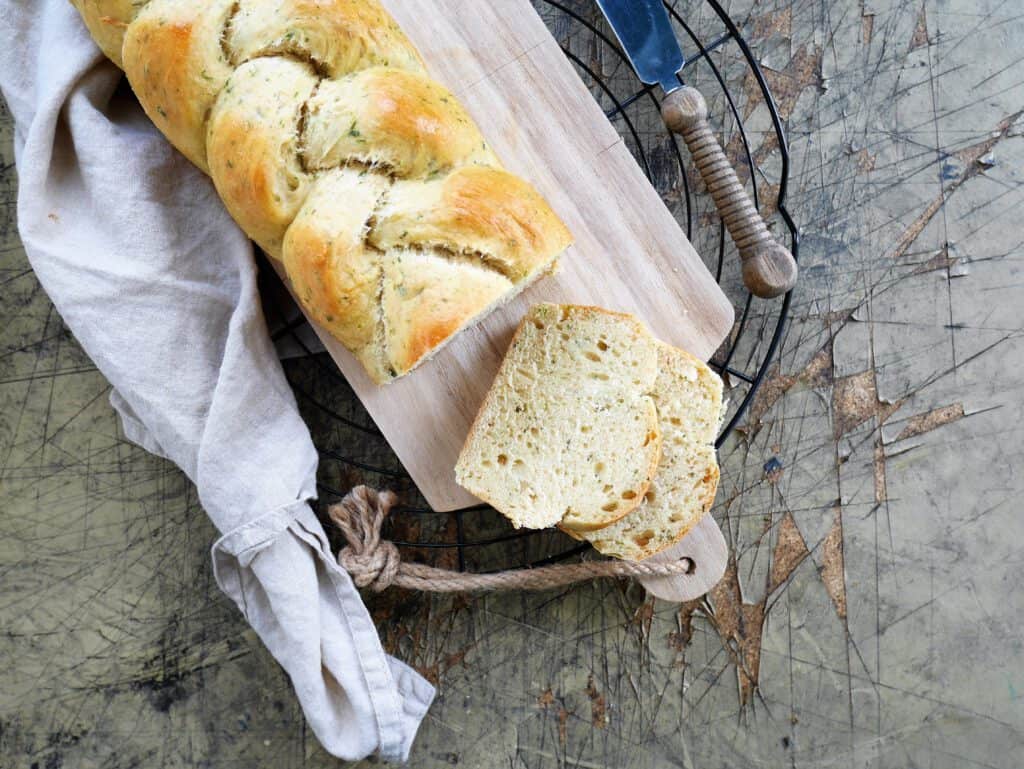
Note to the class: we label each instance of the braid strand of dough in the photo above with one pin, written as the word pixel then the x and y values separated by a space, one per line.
pixel 339 156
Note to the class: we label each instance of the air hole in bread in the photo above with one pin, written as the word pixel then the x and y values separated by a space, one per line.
pixel 599 468
pixel 565 337
pixel 538 324
pixel 534 431
pixel 649 497
pixel 602 377
pixel 611 507
pixel 602 346
pixel 585 429
pixel 607 488
pixel 643 538
pixel 650 437
pixel 629 494
pixel 592 356
pixel 675 517
pixel 676 421
pixel 502 459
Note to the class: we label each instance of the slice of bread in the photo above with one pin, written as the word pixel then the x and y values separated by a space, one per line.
pixel 688 396
pixel 568 433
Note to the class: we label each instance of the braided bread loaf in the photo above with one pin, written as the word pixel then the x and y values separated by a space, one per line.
pixel 339 156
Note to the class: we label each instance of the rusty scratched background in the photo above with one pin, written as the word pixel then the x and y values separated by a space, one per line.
pixel 871 616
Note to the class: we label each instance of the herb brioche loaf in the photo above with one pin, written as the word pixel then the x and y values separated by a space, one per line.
pixel 593 425
pixel 335 151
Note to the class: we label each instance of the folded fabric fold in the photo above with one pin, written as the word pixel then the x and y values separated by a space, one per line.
pixel 158 285
pixel 313 599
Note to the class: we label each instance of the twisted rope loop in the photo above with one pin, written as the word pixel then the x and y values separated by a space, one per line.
pixel 373 563
pixel 376 564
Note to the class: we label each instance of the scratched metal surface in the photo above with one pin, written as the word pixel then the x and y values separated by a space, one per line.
pixel 872 614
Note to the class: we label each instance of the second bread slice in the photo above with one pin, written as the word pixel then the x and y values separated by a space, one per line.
pixel 688 396
pixel 569 431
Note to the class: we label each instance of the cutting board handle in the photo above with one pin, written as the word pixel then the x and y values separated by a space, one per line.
pixel 768 267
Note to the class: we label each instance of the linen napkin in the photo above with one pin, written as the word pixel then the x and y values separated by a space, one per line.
pixel 158 285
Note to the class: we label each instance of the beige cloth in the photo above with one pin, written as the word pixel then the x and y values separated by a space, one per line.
pixel 159 286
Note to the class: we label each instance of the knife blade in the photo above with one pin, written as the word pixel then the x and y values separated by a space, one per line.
pixel 643 30
pixel 645 34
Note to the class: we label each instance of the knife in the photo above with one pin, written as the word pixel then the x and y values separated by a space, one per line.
pixel 645 34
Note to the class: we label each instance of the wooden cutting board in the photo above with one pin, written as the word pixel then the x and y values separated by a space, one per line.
pixel 629 252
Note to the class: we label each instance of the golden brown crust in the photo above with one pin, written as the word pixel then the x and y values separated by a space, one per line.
pixel 271 99
pixel 333 274
pixel 428 298
pixel 107 21
pixel 176 66
pixel 251 147
pixel 340 36
pixel 475 210
pixel 403 121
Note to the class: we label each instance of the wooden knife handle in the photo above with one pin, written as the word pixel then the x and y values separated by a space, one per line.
pixel 768 267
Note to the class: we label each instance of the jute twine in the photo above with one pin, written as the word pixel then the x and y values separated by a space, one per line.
pixel 375 563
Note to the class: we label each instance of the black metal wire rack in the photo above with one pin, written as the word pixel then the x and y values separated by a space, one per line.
pixel 351 447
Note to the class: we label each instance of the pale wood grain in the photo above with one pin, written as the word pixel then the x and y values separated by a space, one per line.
pixel 706 547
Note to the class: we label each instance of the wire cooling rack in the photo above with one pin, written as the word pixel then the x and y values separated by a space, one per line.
pixel 352 449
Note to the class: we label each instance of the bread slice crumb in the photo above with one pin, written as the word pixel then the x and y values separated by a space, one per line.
pixel 569 432
pixel 688 396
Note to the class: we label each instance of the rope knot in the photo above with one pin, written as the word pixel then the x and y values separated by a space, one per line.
pixel 375 563
pixel 371 561
pixel 375 570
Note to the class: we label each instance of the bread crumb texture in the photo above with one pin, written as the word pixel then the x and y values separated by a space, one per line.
pixel 595 426
pixel 569 431
pixel 688 396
